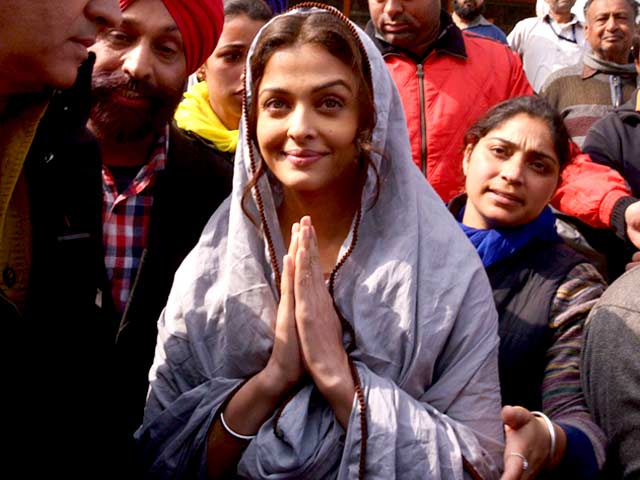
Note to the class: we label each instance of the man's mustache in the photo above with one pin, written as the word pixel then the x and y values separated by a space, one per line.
pixel 113 120
pixel 104 83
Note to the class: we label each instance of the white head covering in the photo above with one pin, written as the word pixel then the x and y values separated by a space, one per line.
pixel 413 290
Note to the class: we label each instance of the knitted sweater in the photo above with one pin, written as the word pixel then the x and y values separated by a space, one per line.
pixel 17 130
pixel 583 96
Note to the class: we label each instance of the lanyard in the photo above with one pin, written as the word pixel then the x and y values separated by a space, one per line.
pixel 559 35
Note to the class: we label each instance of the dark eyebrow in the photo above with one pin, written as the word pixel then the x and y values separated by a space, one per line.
pixel 323 86
pixel 333 83
pixel 536 153
pixel 233 45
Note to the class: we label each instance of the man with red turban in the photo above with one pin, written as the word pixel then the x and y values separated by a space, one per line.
pixel 200 24
pixel 160 186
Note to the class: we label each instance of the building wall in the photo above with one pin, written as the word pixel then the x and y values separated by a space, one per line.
pixel 503 13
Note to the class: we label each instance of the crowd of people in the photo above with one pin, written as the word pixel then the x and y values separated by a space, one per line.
pixel 396 251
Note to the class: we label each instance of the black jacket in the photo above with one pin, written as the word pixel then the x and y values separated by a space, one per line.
pixel 615 141
pixel 56 354
pixel 195 181
pixel 524 286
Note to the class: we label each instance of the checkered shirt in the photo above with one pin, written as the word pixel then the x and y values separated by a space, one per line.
pixel 125 219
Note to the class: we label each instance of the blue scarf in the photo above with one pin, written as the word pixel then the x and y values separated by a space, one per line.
pixel 495 244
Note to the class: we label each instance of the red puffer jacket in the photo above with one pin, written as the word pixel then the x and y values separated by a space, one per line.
pixel 458 81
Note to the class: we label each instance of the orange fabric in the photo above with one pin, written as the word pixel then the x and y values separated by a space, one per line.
pixel 589 190
pixel 200 24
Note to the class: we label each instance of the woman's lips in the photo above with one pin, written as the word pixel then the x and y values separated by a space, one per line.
pixel 303 158
pixel 505 198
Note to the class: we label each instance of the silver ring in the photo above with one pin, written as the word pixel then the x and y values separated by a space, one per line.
pixel 525 463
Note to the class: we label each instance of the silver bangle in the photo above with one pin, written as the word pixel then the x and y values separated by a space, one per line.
pixel 232 433
pixel 552 432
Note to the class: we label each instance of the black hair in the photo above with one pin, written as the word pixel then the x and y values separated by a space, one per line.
pixel 254 9
pixel 534 106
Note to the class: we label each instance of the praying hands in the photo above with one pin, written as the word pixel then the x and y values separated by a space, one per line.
pixel 308 330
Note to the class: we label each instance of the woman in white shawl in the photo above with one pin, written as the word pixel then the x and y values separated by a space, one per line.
pixel 368 346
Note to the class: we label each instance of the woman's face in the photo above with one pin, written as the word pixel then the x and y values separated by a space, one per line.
pixel 223 69
pixel 307 119
pixel 512 173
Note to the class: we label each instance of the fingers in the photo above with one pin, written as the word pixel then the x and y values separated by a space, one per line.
pixel 285 362
pixel 632 217
pixel 305 234
pixel 526 443
pixel 305 221
pixel 515 417
pixel 635 261
pixel 308 253
pixel 286 283
pixel 311 295
pixel 285 325
pixel 293 243
pixel 512 467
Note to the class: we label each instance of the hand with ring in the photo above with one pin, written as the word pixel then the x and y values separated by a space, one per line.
pixel 525 463
pixel 527 444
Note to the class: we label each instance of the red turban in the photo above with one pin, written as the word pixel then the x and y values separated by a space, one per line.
pixel 200 23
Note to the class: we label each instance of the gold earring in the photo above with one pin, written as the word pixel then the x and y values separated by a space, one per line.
pixel 201 74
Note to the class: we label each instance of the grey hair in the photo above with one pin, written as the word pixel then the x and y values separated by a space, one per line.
pixel 631 3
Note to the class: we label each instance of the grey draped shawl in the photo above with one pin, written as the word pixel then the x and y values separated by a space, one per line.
pixel 421 308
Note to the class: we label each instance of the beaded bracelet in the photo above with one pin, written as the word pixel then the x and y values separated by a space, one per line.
pixel 552 432
pixel 235 434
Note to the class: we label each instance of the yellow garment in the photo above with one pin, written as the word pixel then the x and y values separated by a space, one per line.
pixel 16 135
pixel 638 101
pixel 195 114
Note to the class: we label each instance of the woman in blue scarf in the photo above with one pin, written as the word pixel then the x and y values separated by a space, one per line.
pixel 543 290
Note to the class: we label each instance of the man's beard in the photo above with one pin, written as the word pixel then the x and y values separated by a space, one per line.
pixel 112 121
pixel 467 12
